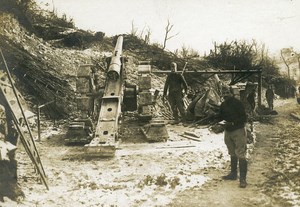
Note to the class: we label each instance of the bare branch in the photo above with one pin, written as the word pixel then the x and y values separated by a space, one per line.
pixel 134 30
pixel 147 36
pixel 168 29
pixel 285 62
pixel 172 36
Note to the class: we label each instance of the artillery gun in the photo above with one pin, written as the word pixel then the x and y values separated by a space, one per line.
pixel 101 109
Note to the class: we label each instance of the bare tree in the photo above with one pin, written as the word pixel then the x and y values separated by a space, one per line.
pixel 285 62
pixel 141 35
pixel 187 52
pixel 147 35
pixel 184 51
pixel 134 29
pixel 235 54
pixel 298 60
pixel 168 29
pixel 147 31
pixel 53 10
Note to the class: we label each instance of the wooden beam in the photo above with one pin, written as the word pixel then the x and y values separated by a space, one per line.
pixel 208 71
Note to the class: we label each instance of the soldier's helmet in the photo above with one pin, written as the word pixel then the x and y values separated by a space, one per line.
pixel 173 66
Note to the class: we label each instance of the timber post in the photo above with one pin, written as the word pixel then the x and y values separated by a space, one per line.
pixel 259 88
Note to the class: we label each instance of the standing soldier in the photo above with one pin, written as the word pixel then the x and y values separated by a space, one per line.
pixel 270 97
pixel 251 100
pixel 233 112
pixel 174 86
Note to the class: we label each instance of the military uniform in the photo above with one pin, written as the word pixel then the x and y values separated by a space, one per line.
pixel 270 97
pixel 174 86
pixel 233 112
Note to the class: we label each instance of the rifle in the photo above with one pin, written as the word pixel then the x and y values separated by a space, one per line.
pixel 184 67
pixel 183 70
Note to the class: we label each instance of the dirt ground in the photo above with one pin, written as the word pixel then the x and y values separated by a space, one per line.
pixel 265 187
pixel 179 172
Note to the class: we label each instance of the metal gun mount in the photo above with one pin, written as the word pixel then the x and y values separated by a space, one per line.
pixel 106 131
pixel 101 110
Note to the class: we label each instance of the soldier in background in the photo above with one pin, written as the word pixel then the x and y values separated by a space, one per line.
pixel 251 100
pixel 270 97
pixel 174 87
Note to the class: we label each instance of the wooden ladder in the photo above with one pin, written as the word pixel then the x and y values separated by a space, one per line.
pixel 11 98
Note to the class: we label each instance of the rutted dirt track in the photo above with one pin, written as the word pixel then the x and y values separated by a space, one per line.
pixel 179 172
pixel 270 183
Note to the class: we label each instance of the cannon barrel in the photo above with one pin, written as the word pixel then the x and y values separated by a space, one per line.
pixel 114 69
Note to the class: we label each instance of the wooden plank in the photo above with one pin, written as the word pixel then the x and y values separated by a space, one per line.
pixel 296 116
pixel 182 146
pixel 192 134
pixel 190 137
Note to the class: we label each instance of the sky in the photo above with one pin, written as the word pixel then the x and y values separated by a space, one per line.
pixel 197 24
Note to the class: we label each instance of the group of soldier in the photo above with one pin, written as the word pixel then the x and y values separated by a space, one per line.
pixel 232 115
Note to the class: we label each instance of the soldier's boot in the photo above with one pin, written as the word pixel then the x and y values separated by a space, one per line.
pixel 176 118
pixel 233 172
pixel 243 164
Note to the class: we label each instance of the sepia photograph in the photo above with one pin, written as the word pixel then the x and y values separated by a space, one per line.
pixel 148 103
